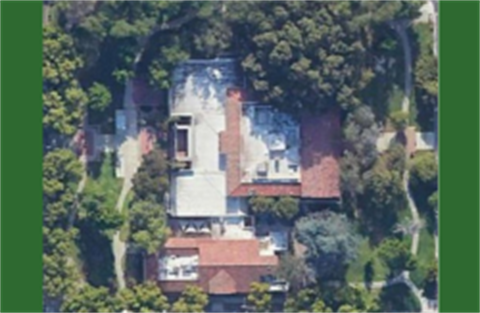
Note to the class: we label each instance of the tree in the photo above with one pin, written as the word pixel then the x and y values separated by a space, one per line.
pixel 261 205
pixel 331 242
pixel 259 298
pixel 398 298
pixel 423 182
pixel 118 39
pixel 294 270
pixel 399 120
pixel 192 300
pixel 286 208
pixel 408 227
pixel 146 297
pixel 383 196
pixel 360 134
pixel 151 180
pixel 95 212
pixel 395 158
pixel 91 299
pixel 168 55
pixel 60 276
pixel 319 306
pixel 99 97
pixel 433 201
pixel 397 256
pixel 61 173
pixel 290 61
pixel 301 301
pixel 430 286
pixel 63 98
pixel 424 172
pixel 148 225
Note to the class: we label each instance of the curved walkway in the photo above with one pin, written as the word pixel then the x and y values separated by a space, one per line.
pixel 400 28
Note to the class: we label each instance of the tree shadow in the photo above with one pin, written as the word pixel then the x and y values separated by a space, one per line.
pixel 97 256
pixel 398 298
pixel 368 274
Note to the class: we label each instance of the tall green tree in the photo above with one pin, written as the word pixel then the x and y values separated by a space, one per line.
pixel 286 208
pixel 383 197
pixel 63 98
pixel 261 205
pixel 192 300
pixel 91 299
pixel 294 270
pixel 300 301
pixel 148 225
pixel 61 173
pixel 151 180
pixel 330 240
pixel 146 297
pixel 60 276
pixel 319 306
pixel 95 212
pixel 424 172
pixel 397 256
pixel 99 97
pixel 259 298
pixel 293 62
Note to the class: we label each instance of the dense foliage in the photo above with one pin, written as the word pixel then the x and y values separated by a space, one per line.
pixel 148 225
pixel 282 208
pixel 61 173
pixel 424 182
pixel 192 300
pixel 330 240
pixel 146 297
pixel 151 180
pixel 63 98
pixel 294 270
pixel 259 298
pixel 91 299
pixel 59 274
pixel 397 256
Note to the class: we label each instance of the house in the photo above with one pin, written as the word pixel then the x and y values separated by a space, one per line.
pixel 229 149
pixel 224 268
pixel 226 149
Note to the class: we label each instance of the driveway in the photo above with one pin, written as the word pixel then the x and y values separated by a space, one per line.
pixel 128 152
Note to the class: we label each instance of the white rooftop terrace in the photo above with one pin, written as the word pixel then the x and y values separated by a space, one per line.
pixel 199 90
pixel 173 267
pixel 271 141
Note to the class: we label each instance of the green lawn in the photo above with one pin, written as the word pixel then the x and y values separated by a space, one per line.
pixel 366 265
pixel 358 271
pixel 425 256
pixel 95 247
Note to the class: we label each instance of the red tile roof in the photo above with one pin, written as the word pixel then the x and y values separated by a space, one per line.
pixel 223 252
pixel 225 266
pixel 320 134
pixel 267 190
pixel 320 176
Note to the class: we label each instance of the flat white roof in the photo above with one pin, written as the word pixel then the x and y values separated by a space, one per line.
pixel 199 89
pixel 271 145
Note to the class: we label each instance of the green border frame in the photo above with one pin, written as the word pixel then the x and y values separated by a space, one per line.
pixel 459 156
pixel 21 159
